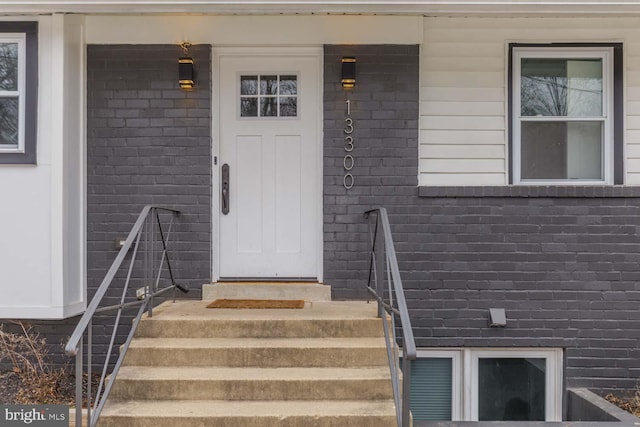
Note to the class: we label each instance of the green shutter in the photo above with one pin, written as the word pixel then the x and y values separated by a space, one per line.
pixel 431 388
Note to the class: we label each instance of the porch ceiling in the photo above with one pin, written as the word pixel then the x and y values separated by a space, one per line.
pixel 415 7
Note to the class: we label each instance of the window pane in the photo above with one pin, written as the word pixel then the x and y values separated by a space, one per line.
pixel 268 107
pixel 431 388
pixel 9 121
pixel 288 85
pixel 249 85
pixel 288 106
pixel 511 389
pixel 9 66
pixel 248 107
pixel 561 150
pixel 268 85
pixel 561 87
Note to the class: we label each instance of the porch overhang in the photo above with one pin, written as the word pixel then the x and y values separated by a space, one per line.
pixel 392 7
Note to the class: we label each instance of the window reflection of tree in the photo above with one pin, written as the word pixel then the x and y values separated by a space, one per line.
pixel 545 96
pixel 268 85
pixel 289 106
pixel 8 82
pixel 548 88
pixel 9 121
pixel 8 66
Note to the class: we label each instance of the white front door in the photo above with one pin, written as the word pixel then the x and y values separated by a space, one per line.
pixel 269 137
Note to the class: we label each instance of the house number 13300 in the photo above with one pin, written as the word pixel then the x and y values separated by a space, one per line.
pixel 348 161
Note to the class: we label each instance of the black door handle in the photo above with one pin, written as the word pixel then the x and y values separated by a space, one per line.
pixel 225 189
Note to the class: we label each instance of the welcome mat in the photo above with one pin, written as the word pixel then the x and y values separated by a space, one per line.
pixel 257 303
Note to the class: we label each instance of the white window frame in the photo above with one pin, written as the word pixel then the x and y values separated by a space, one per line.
pixel 553 377
pixel 21 40
pixel 456 377
pixel 464 399
pixel 594 52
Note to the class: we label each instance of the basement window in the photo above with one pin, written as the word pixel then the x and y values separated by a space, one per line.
pixel 498 384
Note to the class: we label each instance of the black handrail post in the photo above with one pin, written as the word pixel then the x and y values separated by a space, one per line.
pixel 151 283
pixel 89 361
pixel 79 364
pixel 148 271
pixel 380 261
pixel 406 389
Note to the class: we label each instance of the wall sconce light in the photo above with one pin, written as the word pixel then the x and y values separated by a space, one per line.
pixel 348 72
pixel 185 68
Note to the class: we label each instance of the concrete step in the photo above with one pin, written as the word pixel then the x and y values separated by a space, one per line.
pixel 268 353
pixel 267 290
pixel 213 413
pixel 223 383
pixel 191 319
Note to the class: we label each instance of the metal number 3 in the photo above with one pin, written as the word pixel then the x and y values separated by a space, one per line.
pixel 349 144
pixel 349 128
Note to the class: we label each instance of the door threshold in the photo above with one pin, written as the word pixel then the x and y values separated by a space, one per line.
pixel 268 279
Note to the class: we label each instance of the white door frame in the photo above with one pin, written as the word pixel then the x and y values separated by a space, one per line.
pixel 217 53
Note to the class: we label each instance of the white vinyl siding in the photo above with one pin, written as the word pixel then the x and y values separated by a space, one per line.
pixel 463 126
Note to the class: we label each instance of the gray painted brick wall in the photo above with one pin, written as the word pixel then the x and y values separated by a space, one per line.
pixel 149 142
pixel 563 262
pixel 384 109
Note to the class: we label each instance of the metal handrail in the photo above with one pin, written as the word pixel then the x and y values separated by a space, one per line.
pixel 143 227
pixel 383 258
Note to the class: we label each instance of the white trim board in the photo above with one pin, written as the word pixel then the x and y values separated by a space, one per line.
pixel 420 7
pixel 231 30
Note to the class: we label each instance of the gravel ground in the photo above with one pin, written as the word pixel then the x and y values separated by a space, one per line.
pixel 63 392
pixel 10 383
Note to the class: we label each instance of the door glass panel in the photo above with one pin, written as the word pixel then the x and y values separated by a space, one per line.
pixel 268 85
pixel 561 87
pixel 288 85
pixel 288 106
pixel 511 389
pixel 249 107
pixel 268 107
pixel 9 66
pixel 9 124
pixel 249 85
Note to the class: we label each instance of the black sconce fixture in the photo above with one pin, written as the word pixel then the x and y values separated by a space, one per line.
pixel 185 68
pixel 348 72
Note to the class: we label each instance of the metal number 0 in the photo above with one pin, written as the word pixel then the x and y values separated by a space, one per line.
pixel 348 181
pixel 348 162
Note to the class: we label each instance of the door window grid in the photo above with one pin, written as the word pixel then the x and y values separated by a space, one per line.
pixel 268 95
